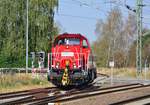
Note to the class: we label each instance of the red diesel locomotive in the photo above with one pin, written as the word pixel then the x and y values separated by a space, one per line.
pixel 71 61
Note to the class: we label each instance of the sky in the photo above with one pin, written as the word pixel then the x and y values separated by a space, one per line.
pixel 81 16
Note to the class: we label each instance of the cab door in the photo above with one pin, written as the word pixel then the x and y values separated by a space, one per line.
pixel 85 52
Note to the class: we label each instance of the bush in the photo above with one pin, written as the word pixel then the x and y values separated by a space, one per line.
pixel 16 81
pixel 9 62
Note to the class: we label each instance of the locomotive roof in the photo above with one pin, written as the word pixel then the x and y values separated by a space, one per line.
pixel 67 35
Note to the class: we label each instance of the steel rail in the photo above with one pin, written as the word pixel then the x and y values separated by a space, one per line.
pixel 78 94
pixel 26 92
pixel 59 98
pixel 29 99
pixel 34 96
pixel 131 100
pixel 103 75
pixel 97 92
pixel 17 101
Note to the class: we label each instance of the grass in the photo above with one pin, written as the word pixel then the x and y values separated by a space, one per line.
pixel 18 82
pixel 124 72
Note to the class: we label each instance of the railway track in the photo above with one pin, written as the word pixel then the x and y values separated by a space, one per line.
pixel 27 92
pixel 26 96
pixel 135 99
pixel 100 78
pixel 87 93
pixel 43 96
pixel 104 75
pixel 73 94
pixel 14 97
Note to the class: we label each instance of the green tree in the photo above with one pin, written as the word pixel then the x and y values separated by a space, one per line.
pixel 12 29
pixel 108 37
pixel 145 50
pixel 114 38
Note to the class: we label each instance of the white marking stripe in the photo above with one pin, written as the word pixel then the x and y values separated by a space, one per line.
pixel 53 103
pixel 67 54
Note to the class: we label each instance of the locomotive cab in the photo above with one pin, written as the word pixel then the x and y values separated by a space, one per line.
pixel 71 61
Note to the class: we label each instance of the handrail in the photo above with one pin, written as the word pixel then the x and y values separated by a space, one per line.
pixel 80 62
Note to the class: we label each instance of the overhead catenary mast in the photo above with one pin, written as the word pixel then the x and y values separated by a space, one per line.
pixel 27 6
pixel 138 11
pixel 139 36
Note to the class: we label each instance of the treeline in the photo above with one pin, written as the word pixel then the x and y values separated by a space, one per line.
pixel 13 25
pixel 116 41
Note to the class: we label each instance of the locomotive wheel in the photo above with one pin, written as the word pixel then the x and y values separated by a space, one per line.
pixel 95 74
pixel 48 77
pixel 91 76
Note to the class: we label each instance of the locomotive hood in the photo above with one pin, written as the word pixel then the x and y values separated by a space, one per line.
pixel 69 49
pixel 65 54
pixel 66 51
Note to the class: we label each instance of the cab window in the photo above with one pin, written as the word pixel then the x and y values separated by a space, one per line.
pixel 68 41
pixel 84 44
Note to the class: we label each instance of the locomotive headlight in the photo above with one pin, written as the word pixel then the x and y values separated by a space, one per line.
pixel 57 65
pixel 74 65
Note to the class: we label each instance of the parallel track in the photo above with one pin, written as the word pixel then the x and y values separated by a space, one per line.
pixel 104 75
pixel 14 97
pixel 41 96
pixel 132 100
pixel 86 93
pixel 26 92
